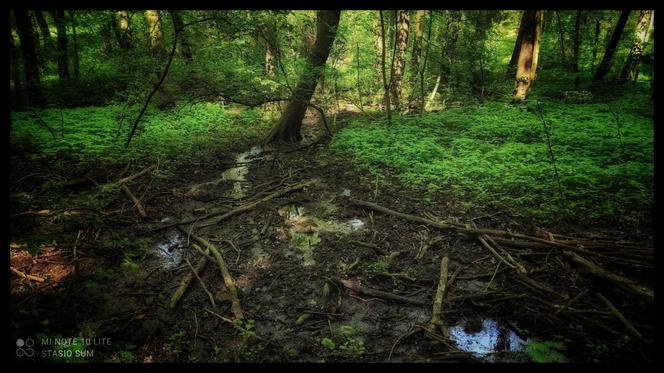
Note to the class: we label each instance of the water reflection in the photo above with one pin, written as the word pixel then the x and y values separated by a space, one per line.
pixel 490 339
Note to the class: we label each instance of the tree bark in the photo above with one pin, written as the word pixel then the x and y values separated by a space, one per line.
pixel 603 68
pixel 595 44
pixel 576 45
pixel 185 49
pixel 105 34
pixel 417 48
pixel 386 85
pixel 15 71
pixel 74 52
pixel 638 46
pixel 45 32
pixel 63 59
pixel 288 127
pixel 153 19
pixel 563 54
pixel 400 56
pixel 529 53
pixel 517 48
pixel 123 30
pixel 31 64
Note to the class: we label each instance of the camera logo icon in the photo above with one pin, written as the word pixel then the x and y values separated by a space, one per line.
pixel 24 347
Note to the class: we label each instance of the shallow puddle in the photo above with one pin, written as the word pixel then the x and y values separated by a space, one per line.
pixel 238 174
pixel 170 249
pixel 491 339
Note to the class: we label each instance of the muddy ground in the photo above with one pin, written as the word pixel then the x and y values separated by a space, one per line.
pixel 286 259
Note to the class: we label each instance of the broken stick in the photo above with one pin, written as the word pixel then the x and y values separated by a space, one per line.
pixel 186 281
pixel 378 293
pixel 440 294
pixel 136 175
pixel 240 209
pixel 137 202
pixel 625 283
pixel 225 274
pixel 620 316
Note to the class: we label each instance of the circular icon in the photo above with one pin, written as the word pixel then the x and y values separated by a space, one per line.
pixel 29 342
pixel 20 342
pixel 29 352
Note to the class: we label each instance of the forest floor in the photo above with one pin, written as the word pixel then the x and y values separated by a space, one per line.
pixel 295 258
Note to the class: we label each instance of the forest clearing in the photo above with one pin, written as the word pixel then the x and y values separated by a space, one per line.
pixel 320 186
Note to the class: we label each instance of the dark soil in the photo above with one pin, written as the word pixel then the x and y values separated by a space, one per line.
pixel 284 294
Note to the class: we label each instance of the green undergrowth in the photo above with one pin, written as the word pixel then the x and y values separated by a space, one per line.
pixel 496 155
pixel 98 134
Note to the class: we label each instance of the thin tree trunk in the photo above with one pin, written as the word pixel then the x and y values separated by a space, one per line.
pixel 603 68
pixel 418 31
pixel 529 54
pixel 386 85
pixel 105 33
pixel 288 127
pixel 185 49
pixel 424 64
pixel 595 44
pixel 15 71
pixel 576 45
pixel 26 36
pixel 45 32
pixel 401 43
pixel 359 86
pixel 562 39
pixel 517 48
pixel 74 56
pixel 41 58
pixel 153 19
pixel 123 30
pixel 638 46
pixel 63 58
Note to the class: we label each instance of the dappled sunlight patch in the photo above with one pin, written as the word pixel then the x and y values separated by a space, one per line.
pixel 48 266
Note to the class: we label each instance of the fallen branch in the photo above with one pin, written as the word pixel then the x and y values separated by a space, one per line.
pixel 368 246
pixel 625 283
pixel 137 202
pixel 242 208
pixel 200 280
pixel 225 274
pixel 184 284
pixel 378 293
pixel 136 175
pixel 29 277
pixel 620 316
pixel 463 229
pixel 440 294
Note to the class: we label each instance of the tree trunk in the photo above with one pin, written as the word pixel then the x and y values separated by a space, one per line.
pixel 41 58
pixel 123 30
pixel 31 64
pixel 417 47
pixel 638 46
pixel 517 48
pixel 529 53
pixel 611 48
pixel 386 84
pixel 15 71
pixel 562 39
pixel 288 127
pixel 45 32
pixel 576 45
pixel 153 18
pixel 63 59
pixel 105 33
pixel 74 52
pixel 185 49
pixel 595 44
pixel 400 56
